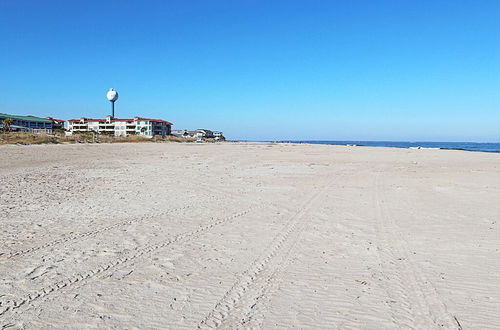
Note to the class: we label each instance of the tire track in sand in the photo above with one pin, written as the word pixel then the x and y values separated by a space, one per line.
pixel 13 304
pixel 414 301
pixel 79 236
pixel 254 283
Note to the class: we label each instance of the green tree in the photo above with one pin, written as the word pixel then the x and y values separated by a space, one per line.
pixel 7 122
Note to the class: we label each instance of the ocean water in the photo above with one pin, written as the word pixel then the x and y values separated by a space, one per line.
pixel 468 146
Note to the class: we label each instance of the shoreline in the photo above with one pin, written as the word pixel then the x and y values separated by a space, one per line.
pixel 241 143
pixel 34 139
pixel 393 144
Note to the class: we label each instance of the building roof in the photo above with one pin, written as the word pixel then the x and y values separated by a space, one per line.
pixel 13 126
pixel 87 119
pixel 121 119
pixel 26 118
pixel 54 119
pixel 150 119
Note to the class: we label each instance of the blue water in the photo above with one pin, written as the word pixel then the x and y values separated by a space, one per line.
pixel 468 146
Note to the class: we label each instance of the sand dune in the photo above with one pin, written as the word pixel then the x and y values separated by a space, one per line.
pixel 248 235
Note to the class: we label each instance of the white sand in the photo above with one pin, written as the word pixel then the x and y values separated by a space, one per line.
pixel 248 236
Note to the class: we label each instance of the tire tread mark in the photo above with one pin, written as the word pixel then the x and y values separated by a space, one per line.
pixel 233 296
pixel 250 319
pixel 92 232
pixel 11 304
pixel 415 293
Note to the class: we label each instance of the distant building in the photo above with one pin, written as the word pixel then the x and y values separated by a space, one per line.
pixel 204 133
pixel 199 134
pixel 30 124
pixel 183 133
pixel 122 127
pixel 219 136
pixel 56 123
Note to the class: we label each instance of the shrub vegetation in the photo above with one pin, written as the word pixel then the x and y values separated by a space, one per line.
pixel 81 137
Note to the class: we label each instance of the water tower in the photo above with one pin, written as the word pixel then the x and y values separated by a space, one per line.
pixel 112 96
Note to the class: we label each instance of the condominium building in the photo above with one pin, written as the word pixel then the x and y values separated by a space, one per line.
pixel 30 124
pixel 122 127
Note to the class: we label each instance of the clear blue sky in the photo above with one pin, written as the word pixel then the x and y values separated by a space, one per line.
pixel 408 70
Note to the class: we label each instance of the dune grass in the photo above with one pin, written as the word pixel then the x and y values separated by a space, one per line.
pixel 26 138
pixel 83 137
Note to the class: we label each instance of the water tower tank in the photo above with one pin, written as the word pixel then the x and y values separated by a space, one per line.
pixel 112 95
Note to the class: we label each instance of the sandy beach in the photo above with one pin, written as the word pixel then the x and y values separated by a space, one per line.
pixel 248 235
